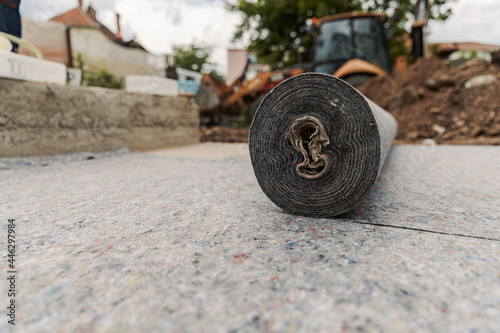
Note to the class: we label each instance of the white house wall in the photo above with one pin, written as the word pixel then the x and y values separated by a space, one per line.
pixel 99 52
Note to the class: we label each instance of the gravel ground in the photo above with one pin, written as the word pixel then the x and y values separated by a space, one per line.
pixel 136 243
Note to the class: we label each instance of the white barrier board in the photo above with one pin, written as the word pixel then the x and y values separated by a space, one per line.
pixel 21 67
pixel 151 85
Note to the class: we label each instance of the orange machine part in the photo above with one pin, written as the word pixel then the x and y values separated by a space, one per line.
pixel 260 84
pixel 355 66
pixel 319 22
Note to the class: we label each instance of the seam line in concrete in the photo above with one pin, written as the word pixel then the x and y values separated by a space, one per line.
pixel 417 229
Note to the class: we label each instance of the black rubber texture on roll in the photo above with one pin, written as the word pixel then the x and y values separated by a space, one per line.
pixel 360 133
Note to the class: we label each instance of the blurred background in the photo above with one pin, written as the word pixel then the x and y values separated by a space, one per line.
pixel 433 64
pixel 161 25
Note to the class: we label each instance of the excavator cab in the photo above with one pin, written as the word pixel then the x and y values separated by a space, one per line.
pixel 351 46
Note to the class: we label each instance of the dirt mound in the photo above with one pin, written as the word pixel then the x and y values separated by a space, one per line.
pixel 449 102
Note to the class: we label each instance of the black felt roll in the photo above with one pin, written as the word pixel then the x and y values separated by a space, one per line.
pixel 318 145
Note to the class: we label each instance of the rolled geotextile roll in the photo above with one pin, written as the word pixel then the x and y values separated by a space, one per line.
pixel 317 145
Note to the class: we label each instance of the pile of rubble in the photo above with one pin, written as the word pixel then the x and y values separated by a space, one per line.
pixel 224 134
pixel 448 102
pixel 439 101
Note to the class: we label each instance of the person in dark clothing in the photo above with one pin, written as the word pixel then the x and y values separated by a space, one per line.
pixel 10 20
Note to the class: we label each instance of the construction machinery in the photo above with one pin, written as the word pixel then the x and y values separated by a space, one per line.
pixel 419 29
pixel 217 101
pixel 351 46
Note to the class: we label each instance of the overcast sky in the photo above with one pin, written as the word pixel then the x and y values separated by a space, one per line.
pixel 160 24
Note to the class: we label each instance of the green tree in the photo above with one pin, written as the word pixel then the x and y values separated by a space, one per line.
pixel 99 77
pixel 191 56
pixel 105 79
pixel 277 29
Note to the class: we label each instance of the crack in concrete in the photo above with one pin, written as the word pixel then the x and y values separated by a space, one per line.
pixel 417 229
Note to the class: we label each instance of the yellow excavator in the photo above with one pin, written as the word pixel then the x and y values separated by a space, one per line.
pixel 351 46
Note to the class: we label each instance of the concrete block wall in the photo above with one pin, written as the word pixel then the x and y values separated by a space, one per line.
pixel 44 119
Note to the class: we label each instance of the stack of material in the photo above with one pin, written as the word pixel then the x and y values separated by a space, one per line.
pixel 449 102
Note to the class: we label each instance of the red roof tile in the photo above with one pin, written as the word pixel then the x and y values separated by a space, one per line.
pixel 80 18
pixel 75 17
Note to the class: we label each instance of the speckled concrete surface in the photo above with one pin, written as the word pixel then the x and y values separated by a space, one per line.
pixel 131 243
pixel 451 189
